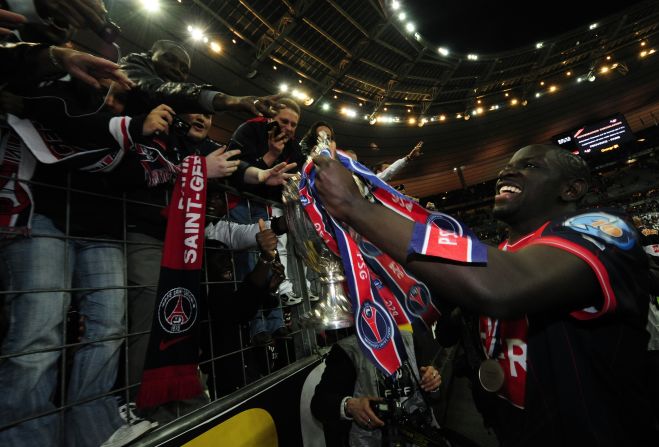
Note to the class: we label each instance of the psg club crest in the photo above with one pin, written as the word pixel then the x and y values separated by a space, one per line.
pixel 177 311
pixel 369 249
pixel 450 226
pixel 417 300
pixel 374 325
pixel 611 228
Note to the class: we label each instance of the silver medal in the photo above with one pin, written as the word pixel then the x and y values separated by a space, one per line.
pixel 490 375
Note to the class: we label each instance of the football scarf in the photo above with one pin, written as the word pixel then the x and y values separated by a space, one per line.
pixel 24 143
pixel 170 369
pixel 382 293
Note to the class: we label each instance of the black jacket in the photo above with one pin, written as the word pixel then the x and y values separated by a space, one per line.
pixel 145 204
pixel 151 90
pixel 251 138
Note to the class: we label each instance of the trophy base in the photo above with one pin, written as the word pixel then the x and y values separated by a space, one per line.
pixel 328 316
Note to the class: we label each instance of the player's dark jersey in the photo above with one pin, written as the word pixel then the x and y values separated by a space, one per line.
pixel 576 376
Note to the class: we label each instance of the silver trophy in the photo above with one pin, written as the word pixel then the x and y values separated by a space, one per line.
pixel 333 311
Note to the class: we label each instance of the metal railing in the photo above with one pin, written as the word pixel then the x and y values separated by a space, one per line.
pixel 225 344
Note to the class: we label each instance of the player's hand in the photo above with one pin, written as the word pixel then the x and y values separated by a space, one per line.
pixel 336 187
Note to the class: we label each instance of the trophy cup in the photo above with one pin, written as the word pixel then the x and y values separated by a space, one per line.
pixel 333 311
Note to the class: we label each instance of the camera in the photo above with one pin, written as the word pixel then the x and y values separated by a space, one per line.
pixel 273 125
pixel 387 411
pixel 413 428
pixel 179 126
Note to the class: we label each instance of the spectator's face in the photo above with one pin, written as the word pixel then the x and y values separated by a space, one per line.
pixel 325 129
pixel 200 124
pixel 529 187
pixel 287 119
pixel 116 99
pixel 172 64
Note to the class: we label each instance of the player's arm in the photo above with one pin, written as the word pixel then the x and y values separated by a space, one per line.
pixel 535 279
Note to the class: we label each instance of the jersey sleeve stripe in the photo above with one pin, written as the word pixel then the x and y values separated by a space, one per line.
pixel 610 302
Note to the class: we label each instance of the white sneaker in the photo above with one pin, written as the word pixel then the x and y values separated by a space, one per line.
pixel 313 297
pixel 288 299
pixel 126 433
pixel 126 411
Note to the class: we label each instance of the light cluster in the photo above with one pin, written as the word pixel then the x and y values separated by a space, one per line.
pixel 201 36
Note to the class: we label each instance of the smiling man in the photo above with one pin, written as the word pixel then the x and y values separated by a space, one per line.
pixel 563 301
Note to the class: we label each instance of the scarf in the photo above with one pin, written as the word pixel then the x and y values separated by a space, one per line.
pixel 23 143
pixel 382 293
pixel 170 369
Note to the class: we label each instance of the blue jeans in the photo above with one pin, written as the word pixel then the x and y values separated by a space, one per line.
pixel 27 382
pixel 266 323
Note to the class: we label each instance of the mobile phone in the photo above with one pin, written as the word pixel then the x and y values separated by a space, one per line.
pixel 233 144
pixel 273 125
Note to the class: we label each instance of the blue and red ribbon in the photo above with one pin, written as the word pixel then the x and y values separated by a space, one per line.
pixel 382 293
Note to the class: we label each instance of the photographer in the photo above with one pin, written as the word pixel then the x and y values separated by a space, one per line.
pixel 358 406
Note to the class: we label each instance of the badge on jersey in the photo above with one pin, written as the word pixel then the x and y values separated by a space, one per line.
pixel 607 227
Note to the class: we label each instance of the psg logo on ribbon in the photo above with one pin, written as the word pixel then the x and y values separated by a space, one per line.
pixel 369 249
pixel 177 311
pixel 374 325
pixel 447 223
pixel 417 300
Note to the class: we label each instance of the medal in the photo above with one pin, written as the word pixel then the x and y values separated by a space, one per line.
pixel 490 375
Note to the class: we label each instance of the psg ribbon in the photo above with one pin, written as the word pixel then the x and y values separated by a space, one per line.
pixel 382 293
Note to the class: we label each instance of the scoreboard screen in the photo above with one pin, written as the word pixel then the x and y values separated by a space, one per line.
pixel 603 136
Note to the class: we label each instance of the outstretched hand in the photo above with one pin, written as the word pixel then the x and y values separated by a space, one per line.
pixel 218 164
pixel 336 187
pixel 267 106
pixel 10 19
pixel 416 151
pixel 76 13
pixel 276 175
pixel 90 69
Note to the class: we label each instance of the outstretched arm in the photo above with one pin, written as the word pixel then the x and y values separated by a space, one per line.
pixel 276 175
pixel 399 164
pixel 535 279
